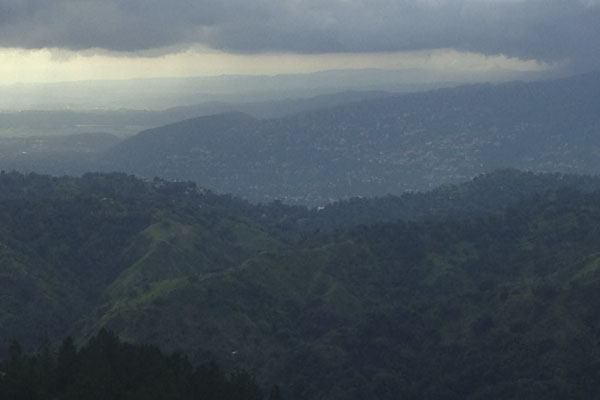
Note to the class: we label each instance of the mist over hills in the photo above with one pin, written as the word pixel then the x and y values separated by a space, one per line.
pixel 458 299
pixel 379 146
pixel 55 154
pixel 125 107
pixel 165 93
pixel 317 150
pixel 127 122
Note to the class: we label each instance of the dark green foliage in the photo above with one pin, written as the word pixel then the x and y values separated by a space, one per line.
pixel 64 240
pixel 485 194
pixel 108 369
pixel 275 393
pixel 483 290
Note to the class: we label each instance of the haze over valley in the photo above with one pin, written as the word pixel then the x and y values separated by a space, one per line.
pixel 322 149
pixel 336 200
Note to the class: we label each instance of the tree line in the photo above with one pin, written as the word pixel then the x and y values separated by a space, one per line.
pixel 107 368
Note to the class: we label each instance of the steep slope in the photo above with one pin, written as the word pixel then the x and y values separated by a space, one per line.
pixel 64 241
pixel 380 146
pixel 34 298
pixel 204 148
pixel 500 306
pixel 496 298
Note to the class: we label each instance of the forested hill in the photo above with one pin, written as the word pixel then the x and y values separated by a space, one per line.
pixel 495 297
pixel 378 146
pixel 485 194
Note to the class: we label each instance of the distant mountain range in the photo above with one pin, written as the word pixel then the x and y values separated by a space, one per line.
pixel 378 146
pixel 127 122
pixel 164 93
pixel 355 144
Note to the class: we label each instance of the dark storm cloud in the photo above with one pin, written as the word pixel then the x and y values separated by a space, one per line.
pixel 543 29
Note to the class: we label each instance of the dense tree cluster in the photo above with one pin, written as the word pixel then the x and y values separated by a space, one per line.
pixel 109 369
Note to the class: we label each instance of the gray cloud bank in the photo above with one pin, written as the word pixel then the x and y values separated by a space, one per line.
pixel 549 30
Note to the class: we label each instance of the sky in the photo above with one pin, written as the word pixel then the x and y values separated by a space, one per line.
pixel 60 40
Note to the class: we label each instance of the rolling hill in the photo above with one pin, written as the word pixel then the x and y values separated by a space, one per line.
pixel 378 146
pixel 450 299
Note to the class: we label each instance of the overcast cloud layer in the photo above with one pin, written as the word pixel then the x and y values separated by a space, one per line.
pixel 548 30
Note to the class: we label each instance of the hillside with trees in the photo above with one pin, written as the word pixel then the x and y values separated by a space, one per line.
pixel 107 368
pixel 378 146
pixel 327 148
pixel 445 298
